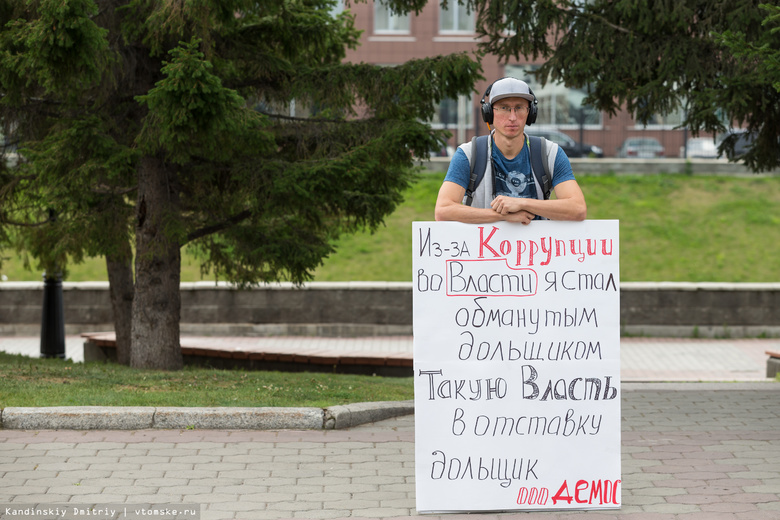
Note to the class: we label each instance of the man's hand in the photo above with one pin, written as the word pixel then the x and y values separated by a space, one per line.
pixel 522 216
pixel 568 204
pixel 506 205
pixel 449 207
pixel 511 209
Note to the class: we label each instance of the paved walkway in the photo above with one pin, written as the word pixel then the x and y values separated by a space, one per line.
pixel 704 451
pixel 690 452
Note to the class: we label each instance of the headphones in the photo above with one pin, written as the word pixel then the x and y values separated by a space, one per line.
pixel 487 108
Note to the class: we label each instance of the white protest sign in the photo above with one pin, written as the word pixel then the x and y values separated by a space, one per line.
pixel 517 366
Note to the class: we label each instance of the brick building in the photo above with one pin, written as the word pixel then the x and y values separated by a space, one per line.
pixel 389 39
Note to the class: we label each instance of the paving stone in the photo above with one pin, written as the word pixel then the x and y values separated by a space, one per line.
pixel 674 468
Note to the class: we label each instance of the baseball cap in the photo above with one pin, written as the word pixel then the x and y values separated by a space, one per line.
pixel 508 88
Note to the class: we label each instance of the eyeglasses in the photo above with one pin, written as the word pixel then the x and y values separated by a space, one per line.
pixel 508 110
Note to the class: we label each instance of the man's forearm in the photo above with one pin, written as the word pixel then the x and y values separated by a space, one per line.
pixel 467 214
pixel 566 209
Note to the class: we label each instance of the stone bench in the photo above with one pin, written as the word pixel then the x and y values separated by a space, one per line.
pixel 245 352
pixel 773 363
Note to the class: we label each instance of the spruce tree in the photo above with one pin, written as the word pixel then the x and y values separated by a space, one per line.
pixel 148 125
pixel 651 57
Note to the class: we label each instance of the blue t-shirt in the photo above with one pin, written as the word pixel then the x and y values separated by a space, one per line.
pixel 512 177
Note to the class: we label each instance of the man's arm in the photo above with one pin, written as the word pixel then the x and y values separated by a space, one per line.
pixel 568 204
pixel 449 207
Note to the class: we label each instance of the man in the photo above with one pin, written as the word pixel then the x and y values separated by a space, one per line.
pixel 509 191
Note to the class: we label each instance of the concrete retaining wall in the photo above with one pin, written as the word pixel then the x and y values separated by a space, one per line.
pixel 611 165
pixel 385 308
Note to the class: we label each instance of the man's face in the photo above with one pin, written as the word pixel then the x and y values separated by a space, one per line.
pixel 509 116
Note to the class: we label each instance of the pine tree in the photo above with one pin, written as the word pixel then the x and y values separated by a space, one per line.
pixel 148 125
pixel 652 57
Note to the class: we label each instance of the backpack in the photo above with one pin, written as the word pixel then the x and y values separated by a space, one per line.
pixel 478 163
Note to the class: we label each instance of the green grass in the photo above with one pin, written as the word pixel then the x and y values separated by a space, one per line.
pixel 672 228
pixel 692 229
pixel 53 382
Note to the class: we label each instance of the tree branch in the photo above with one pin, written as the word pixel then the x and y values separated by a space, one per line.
pixel 305 119
pixel 25 224
pixel 106 190
pixel 208 230
pixel 606 22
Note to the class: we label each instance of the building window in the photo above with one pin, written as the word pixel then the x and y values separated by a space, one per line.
pixel 455 115
pixel 456 18
pixel 388 22
pixel 668 121
pixel 559 105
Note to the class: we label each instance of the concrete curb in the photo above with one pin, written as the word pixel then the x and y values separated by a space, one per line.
pixel 349 415
pixel 238 418
pixel 142 418
pixel 78 418
pixel 267 418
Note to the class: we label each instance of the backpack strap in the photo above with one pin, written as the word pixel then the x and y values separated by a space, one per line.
pixel 478 163
pixel 539 164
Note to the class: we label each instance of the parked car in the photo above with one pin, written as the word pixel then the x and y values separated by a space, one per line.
pixel 700 148
pixel 641 148
pixel 569 145
pixel 742 142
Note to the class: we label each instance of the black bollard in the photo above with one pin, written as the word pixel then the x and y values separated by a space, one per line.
pixel 53 319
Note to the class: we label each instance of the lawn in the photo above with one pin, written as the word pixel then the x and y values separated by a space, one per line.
pixel 672 228
pixel 54 382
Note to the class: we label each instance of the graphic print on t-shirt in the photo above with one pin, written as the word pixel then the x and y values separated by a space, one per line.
pixel 514 184
pixel 510 175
